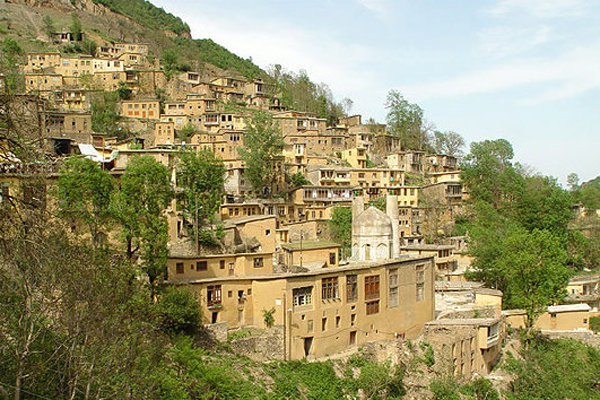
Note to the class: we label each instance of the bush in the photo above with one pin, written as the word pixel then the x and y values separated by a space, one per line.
pixel 341 226
pixel 429 357
pixel 555 369
pixel 298 180
pixel 268 316
pixel 595 324
pixel 178 312
pixel 444 389
pixel 480 389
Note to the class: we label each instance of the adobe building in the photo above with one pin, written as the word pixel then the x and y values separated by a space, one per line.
pixel 466 346
pixel 584 288
pixel 444 256
pixel 564 318
pixel 311 254
pixel 323 307
pixel 469 329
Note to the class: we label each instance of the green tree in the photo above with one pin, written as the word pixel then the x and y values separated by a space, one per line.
pixel 105 118
pixel 554 370
pixel 448 143
pixel 405 120
pixel 529 267
pixel 572 181
pixel 170 59
pixel 178 311
pixel 10 58
pixel 298 180
pixel 88 47
pixel 263 144
pixel 541 203
pixel 187 131
pixel 268 317
pixel 48 26
pixel 488 173
pixel 73 319
pixel 145 194
pixel 84 192
pixel 124 92
pixel 201 175
pixel 340 226
pixel 75 27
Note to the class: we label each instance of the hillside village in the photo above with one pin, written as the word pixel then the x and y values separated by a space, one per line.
pixel 270 257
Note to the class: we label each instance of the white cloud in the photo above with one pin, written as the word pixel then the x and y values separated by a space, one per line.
pixel 539 8
pixel 571 73
pixel 341 64
pixel 503 41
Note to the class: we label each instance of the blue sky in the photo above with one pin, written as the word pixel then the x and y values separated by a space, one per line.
pixel 524 70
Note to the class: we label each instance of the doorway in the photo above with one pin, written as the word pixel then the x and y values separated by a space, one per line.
pixel 307 345
pixel 352 338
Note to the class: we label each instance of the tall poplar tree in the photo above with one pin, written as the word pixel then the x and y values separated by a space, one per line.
pixel 263 144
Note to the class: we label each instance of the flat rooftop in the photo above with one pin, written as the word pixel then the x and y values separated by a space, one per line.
pixel 309 245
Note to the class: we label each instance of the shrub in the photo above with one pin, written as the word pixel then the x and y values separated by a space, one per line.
pixel 178 312
pixel 481 389
pixel 268 316
pixel 444 389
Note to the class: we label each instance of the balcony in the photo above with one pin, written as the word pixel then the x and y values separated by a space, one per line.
pixel 342 179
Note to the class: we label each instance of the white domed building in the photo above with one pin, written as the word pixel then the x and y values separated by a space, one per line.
pixel 375 233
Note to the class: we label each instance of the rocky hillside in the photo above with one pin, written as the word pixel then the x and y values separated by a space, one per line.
pixel 118 20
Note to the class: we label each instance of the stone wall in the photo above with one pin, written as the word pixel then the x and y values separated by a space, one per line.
pixel 218 331
pixel 265 347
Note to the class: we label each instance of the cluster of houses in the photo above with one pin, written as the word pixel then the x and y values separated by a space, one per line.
pixel 277 255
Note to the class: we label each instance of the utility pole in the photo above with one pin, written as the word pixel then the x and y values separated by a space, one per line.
pixel 301 237
pixel 196 223
pixel 284 328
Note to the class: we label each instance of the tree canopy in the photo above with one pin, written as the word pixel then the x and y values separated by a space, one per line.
pixel 263 144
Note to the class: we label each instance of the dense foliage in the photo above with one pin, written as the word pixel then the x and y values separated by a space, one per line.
pixel 215 54
pixel 518 228
pixel 263 143
pixel 555 370
pixel 297 92
pixel 201 175
pixel 146 14
pixel 340 226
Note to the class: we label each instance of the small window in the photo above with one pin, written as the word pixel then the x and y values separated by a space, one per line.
pixel 329 288
pixel 179 268
pixel 201 265
pixel 324 324
pixel 302 296
pixel 337 321
pixel 351 288
pixel 267 232
pixel 373 307
pixel 230 293
pixel 332 258
pixel 393 288
pixel 258 262
pixel 222 264
pixel 213 295
pixel 371 287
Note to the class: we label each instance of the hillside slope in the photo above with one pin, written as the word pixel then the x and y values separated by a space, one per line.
pixel 119 20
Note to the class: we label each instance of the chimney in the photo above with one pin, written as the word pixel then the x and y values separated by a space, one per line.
pixel 391 209
pixel 358 206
